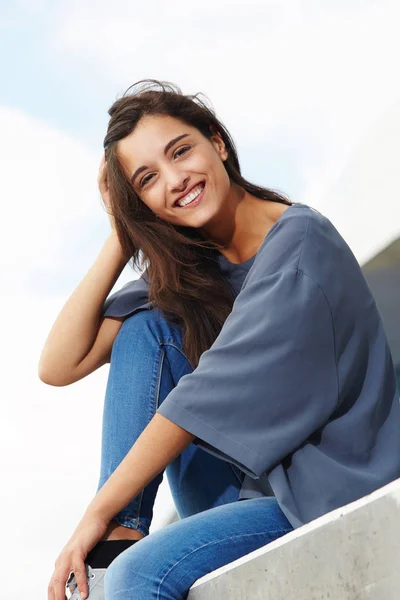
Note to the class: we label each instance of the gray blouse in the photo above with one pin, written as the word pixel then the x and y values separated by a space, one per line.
pixel 299 389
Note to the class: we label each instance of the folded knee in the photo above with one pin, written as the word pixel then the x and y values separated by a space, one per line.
pixel 148 322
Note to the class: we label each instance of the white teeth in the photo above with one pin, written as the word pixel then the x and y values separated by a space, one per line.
pixel 190 197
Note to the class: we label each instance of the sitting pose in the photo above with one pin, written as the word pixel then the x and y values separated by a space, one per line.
pixel 249 360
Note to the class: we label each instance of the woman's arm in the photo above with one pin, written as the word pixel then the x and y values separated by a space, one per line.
pixel 157 446
pixel 79 340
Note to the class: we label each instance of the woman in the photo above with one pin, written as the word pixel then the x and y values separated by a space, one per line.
pixel 292 409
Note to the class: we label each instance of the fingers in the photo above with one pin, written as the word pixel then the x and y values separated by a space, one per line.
pixel 81 579
pixel 56 588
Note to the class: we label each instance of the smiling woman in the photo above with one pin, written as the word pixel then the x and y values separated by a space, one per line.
pixel 161 145
pixel 177 170
pixel 249 361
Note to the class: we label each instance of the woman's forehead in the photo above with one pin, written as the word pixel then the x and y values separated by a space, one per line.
pixel 160 127
pixel 153 134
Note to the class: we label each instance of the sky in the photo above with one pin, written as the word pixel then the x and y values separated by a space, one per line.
pixel 306 89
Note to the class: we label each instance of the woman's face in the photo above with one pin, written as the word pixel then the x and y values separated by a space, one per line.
pixel 168 161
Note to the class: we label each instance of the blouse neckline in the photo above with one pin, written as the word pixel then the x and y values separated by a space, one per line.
pixel 226 264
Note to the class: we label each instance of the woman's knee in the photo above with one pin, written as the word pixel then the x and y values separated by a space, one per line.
pixel 136 321
pixel 148 322
pixel 148 337
pixel 122 579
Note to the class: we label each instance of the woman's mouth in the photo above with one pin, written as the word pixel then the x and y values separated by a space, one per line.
pixel 192 199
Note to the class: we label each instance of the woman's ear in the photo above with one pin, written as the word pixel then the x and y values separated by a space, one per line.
pixel 218 143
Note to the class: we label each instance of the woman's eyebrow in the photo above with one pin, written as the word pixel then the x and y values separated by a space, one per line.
pixel 167 147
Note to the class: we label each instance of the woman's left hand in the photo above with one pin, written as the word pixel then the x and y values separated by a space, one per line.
pixel 90 530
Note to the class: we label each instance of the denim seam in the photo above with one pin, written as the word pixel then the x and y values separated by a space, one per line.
pixel 158 378
pixel 167 343
pixel 155 394
pixel 153 384
pixel 283 531
pixel 154 391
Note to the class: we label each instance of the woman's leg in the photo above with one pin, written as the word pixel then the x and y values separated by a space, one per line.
pixel 164 565
pixel 147 361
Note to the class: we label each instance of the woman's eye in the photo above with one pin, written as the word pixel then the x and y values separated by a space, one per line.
pixel 145 180
pixel 182 151
pixel 179 152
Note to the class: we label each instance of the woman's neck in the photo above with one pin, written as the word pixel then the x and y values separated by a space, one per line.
pixel 242 231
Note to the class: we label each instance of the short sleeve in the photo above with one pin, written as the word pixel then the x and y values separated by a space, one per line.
pixel 131 298
pixel 269 381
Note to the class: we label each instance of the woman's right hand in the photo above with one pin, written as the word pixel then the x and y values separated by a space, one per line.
pixel 104 191
pixel 89 531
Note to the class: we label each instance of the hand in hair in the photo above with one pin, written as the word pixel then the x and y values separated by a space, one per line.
pixel 104 191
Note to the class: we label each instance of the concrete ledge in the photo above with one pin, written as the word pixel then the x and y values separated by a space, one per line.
pixel 351 553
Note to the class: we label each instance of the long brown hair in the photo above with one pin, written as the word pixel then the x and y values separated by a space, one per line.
pixel 185 278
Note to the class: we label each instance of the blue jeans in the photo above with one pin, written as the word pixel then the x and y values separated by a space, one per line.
pixel 214 529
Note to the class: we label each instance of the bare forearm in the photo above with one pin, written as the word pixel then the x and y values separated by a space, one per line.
pixel 74 331
pixel 157 446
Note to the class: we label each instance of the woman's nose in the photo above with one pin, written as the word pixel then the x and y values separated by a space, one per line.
pixel 177 181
